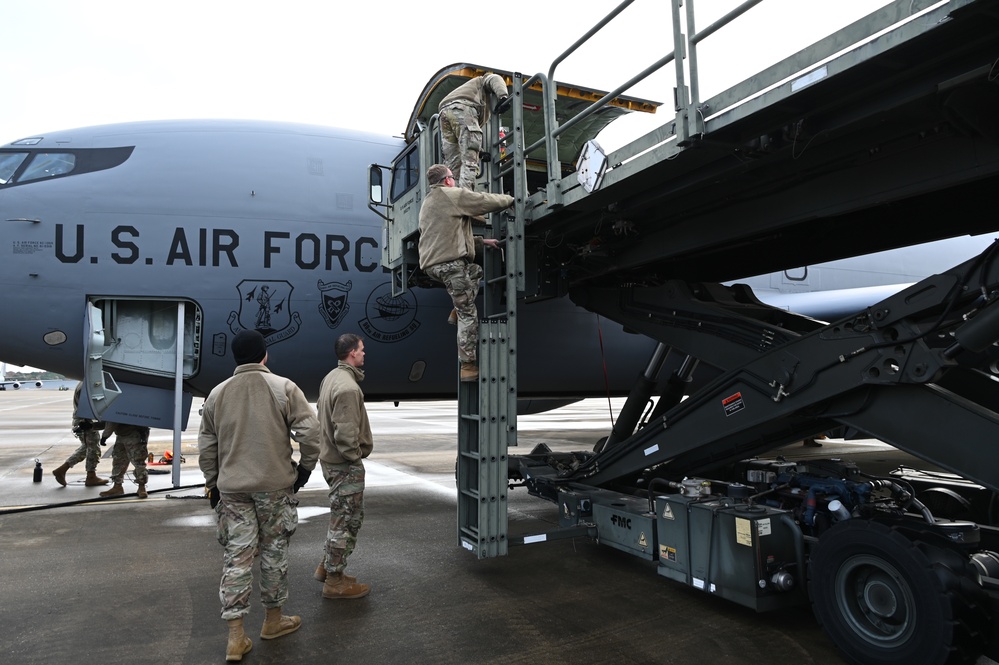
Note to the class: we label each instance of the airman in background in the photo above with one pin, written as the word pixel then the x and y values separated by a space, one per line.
pixel 88 431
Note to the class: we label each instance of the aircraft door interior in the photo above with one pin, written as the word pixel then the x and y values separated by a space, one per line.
pixel 141 335
pixel 138 336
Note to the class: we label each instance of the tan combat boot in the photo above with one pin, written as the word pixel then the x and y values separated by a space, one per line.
pixel 116 490
pixel 276 624
pixel 337 586
pixel 92 480
pixel 239 643
pixel 60 474
pixel 320 574
pixel 141 493
pixel 469 372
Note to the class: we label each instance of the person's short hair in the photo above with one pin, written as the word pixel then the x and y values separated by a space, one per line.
pixel 346 343
pixel 436 174
pixel 248 346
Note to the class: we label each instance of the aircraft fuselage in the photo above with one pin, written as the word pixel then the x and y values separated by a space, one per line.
pixel 250 225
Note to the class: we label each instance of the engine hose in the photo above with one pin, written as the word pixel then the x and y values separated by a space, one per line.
pixel 652 484
pixel 901 491
pixel 799 546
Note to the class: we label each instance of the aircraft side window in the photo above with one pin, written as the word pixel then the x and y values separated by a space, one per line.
pixel 9 163
pixel 48 164
pixel 405 173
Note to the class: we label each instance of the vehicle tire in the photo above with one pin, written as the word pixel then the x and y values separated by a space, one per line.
pixel 884 599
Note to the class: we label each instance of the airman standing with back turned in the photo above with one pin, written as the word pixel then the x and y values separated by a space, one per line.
pixel 463 114
pixel 246 457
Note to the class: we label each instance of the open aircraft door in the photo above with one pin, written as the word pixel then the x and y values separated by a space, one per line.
pixel 136 337
pixel 99 387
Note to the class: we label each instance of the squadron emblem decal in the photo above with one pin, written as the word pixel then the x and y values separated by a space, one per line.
pixel 265 305
pixel 389 318
pixel 334 305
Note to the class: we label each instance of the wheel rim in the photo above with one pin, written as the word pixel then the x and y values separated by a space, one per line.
pixel 875 600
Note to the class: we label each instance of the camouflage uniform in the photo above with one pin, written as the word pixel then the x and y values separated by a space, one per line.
pixel 447 252
pixel 90 449
pixel 245 453
pixel 90 439
pixel 249 522
pixel 463 114
pixel 461 140
pixel 345 441
pixel 129 446
pixel 346 494
pixel 461 278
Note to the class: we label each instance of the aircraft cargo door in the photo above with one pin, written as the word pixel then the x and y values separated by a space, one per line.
pixel 129 337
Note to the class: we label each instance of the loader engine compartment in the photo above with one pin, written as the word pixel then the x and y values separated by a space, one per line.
pixel 752 535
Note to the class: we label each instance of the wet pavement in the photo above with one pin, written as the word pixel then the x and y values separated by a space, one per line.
pixel 134 581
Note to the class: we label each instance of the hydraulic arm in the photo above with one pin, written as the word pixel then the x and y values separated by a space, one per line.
pixel 910 371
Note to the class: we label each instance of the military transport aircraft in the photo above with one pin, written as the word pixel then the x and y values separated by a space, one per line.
pixel 106 233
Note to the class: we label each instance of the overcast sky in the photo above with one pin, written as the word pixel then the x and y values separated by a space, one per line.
pixel 360 65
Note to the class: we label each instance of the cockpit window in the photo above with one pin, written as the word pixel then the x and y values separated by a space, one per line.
pixel 48 164
pixel 24 167
pixel 405 173
pixel 9 162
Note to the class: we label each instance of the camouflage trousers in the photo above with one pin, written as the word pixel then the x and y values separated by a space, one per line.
pixel 462 281
pixel 90 450
pixel 461 140
pixel 129 448
pixel 346 483
pixel 249 523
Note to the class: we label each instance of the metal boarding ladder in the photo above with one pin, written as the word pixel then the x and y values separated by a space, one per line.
pixel 487 409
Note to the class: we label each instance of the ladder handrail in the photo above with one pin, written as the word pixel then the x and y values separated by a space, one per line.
pixel 579 42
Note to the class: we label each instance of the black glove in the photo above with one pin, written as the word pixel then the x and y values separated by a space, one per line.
pixel 303 477
pixel 502 105
pixel 214 496
pixel 104 442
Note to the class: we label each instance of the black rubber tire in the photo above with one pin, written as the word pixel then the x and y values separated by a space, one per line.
pixel 886 600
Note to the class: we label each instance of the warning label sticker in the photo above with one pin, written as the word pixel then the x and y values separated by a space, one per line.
pixel 733 404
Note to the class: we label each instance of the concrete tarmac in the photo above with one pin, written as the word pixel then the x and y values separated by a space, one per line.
pixel 128 581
